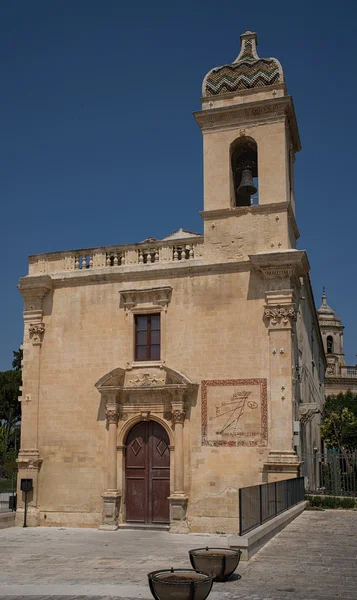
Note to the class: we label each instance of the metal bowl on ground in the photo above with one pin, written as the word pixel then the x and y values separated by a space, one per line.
pixel 180 584
pixel 221 562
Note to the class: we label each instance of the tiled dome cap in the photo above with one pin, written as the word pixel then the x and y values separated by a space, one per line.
pixel 246 72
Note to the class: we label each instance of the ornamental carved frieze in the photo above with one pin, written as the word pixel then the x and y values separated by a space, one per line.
pixel 146 380
pixel 280 315
pixel 155 296
pixel 36 331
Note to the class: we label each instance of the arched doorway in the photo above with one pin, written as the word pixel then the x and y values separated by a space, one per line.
pixel 147 474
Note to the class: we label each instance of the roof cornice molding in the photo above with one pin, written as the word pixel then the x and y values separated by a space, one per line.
pixel 285 263
pixel 250 113
pixel 238 211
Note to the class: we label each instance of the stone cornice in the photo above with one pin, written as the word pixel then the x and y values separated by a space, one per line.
pixel 33 289
pixel 340 379
pixel 159 296
pixel 122 274
pixel 238 211
pixel 245 92
pixel 250 113
pixel 282 264
pixel 35 286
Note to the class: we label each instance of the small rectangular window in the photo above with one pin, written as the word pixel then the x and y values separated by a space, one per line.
pixel 147 337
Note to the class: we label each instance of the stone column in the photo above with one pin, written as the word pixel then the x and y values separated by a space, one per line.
pixel 280 316
pixel 29 462
pixel 111 496
pixel 178 417
pixel 178 500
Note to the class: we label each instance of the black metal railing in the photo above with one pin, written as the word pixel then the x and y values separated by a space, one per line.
pixel 7 494
pixel 260 503
pixel 331 473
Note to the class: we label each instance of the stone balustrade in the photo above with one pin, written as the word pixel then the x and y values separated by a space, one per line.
pixel 349 371
pixel 117 256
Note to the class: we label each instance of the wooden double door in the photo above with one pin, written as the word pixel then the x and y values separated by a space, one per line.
pixel 147 474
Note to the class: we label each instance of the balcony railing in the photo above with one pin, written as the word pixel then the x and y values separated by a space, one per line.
pixel 139 255
pixel 349 372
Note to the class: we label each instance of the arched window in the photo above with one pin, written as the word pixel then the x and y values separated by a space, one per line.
pixel 329 344
pixel 244 163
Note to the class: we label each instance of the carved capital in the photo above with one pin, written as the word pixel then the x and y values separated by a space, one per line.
pixel 178 416
pixel 112 413
pixel 307 411
pixel 36 331
pixel 280 315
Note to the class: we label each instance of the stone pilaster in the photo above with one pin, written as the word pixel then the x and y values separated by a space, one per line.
pixel 33 291
pixel 111 497
pixel 178 500
pixel 29 464
pixel 280 315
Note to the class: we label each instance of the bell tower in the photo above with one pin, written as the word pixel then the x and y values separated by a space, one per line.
pixel 250 138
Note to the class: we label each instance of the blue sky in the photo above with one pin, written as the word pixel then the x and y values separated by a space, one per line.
pixel 98 142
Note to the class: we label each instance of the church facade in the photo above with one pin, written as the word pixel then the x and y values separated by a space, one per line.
pixel 161 377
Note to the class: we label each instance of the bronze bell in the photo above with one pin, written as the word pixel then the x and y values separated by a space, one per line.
pixel 246 186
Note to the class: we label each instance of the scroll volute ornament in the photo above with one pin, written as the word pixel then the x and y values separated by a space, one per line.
pixel 280 314
pixel 112 413
pixel 36 332
pixel 178 416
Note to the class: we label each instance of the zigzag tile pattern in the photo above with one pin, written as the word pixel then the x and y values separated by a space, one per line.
pixel 249 71
pixel 245 74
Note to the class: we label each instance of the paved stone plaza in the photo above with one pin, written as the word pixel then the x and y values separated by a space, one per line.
pixel 313 558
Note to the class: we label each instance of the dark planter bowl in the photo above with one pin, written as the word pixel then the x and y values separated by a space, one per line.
pixel 180 584
pixel 221 562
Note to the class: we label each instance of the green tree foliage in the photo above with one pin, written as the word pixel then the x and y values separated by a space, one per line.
pixel 339 422
pixel 10 415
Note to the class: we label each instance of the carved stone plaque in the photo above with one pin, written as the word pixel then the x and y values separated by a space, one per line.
pixel 234 412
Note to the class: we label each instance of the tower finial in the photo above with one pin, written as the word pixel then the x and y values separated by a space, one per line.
pixel 324 295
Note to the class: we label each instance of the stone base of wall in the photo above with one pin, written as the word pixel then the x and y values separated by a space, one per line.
pixel 72 519
pixel 7 520
pixel 250 543
pixel 214 525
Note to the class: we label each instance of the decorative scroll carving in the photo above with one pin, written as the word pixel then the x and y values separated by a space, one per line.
pixel 36 331
pixel 307 411
pixel 146 380
pixel 280 314
pixel 157 296
pixel 178 416
pixel 112 413
pixel 331 369
pixel 278 272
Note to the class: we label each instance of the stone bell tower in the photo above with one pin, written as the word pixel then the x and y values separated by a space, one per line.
pixel 250 139
pixel 249 134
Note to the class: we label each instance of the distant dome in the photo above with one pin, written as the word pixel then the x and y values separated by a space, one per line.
pixel 246 72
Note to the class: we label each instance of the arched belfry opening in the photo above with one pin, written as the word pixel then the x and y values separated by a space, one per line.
pixel 329 344
pixel 244 165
